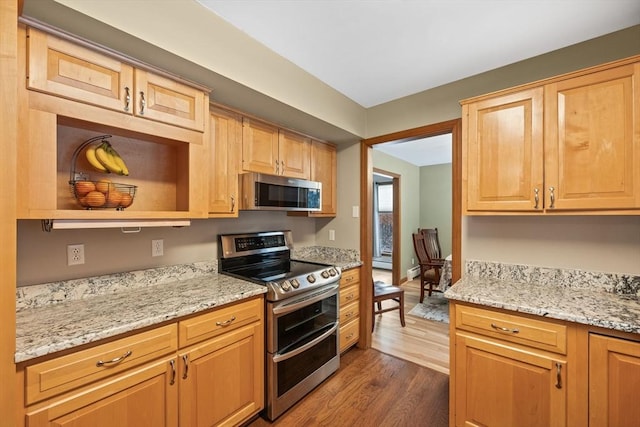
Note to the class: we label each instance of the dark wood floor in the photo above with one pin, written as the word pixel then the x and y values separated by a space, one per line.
pixel 373 389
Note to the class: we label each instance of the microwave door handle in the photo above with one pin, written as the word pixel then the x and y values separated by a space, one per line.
pixel 282 357
pixel 288 307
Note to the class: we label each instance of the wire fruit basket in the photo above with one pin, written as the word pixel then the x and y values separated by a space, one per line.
pixel 101 193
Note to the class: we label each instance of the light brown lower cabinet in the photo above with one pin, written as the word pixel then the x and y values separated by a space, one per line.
pixel 513 369
pixel 614 381
pixel 206 370
pixel 349 303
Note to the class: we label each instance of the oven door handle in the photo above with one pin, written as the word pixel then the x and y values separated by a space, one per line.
pixel 289 306
pixel 282 357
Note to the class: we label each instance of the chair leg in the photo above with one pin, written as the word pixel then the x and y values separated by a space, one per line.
pixel 421 291
pixel 379 305
pixel 402 309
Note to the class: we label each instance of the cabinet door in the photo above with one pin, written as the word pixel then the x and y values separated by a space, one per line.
pixel 65 69
pixel 498 384
pixel 259 147
pixel 614 382
pixel 503 153
pixel 222 380
pixel 294 154
pixel 145 397
pixel 226 139
pixel 592 140
pixel 324 169
pixel 168 101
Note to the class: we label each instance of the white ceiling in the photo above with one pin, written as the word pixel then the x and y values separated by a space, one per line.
pixel 374 51
pixel 434 150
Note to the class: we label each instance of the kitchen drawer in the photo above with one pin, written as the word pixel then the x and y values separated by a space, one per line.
pixel 518 329
pixel 349 295
pixel 349 334
pixel 349 277
pixel 200 328
pixel 65 373
pixel 349 312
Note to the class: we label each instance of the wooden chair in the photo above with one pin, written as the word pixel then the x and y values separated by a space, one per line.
pixel 429 268
pixel 382 292
pixel 432 243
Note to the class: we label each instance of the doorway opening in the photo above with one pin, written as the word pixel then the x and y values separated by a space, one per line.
pixel 386 224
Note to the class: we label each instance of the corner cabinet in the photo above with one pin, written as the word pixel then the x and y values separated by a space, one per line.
pixel 508 370
pixel 226 144
pixel 349 300
pixel 75 91
pixel 564 145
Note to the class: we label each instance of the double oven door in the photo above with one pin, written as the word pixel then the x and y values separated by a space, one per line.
pixel 302 346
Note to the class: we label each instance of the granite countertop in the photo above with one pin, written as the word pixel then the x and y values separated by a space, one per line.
pixel 45 329
pixel 590 300
pixel 61 315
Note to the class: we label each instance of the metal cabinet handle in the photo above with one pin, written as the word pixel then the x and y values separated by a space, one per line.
pixel 558 375
pixel 114 361
pixel 143 103
pixel 127 98
pixel 502 329
pixel 282 167
pixel 552 197
pixel 233 203
pixel 350 297
pixel 277 168
pixel 536 197
pixel 173 372
pixel 226 322
pixel 185 373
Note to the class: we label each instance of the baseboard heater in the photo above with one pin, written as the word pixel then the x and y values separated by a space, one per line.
pixel 413 272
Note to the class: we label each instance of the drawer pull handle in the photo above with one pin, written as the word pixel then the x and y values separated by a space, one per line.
pixel 349 314
pixel 114 361
pixel 350 336
pixel 185 373
pixel 143 103
pixel 558 375
pixel 537 197
pixel 501 329
pixel 127 98
pixel 173 372
pixel 226 322
pixel 552 197
pixel 350 297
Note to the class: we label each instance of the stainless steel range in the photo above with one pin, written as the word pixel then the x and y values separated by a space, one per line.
pixel 301 310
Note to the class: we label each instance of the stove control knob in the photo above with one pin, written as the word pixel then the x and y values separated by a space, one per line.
pixel 311 278
pixel 332 272
pixel 286 286
pixel 295 283
pixel 325 274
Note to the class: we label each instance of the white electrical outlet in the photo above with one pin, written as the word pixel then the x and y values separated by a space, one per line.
pixel 157 247
pixel 332 234
pixel 75 254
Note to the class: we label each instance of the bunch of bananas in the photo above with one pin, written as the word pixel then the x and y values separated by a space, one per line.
pixel 105 158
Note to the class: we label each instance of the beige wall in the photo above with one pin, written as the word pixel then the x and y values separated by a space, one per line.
pixel 436 201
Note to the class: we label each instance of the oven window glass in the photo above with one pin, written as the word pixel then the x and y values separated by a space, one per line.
pixel 294 370
pixel 306 323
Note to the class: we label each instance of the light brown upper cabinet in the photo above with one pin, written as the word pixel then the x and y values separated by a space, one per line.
pixel 565 145
pixel 267 149
pixel 324 169
pixel 70 70
pixel 75 92
pixel 225 145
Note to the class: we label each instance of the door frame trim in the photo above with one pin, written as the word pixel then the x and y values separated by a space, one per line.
pixel 366 215
pixel 395 256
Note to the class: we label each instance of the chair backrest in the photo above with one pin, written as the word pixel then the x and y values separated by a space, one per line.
pixel 432 243
pixel 420 248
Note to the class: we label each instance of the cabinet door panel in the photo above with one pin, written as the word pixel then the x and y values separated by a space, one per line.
pixel 592 146
pixel 224 381
pixel 165 100
pixel 226 138
pixel 504 152
pixel 614 382
pixel 143 398
pixel 65 69
pixel 501 385
pixel 324 170
pixel 294 152
pixel 259 147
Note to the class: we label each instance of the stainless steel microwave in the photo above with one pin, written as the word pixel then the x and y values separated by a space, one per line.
pixel 272 192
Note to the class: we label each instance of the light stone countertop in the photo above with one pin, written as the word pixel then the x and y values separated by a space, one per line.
pixel 591 301
pixel 43 330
